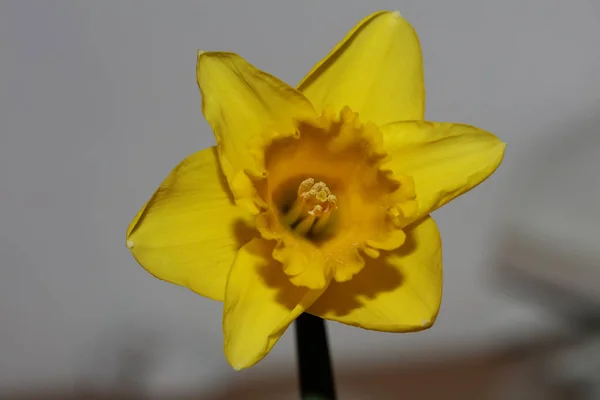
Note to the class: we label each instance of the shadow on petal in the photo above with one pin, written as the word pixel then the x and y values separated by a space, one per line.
pixel 243 232
pixel 287 294
pixel 393 272
pixel 402 287
pixel 222 177
pixel 378 276
pixel 271 273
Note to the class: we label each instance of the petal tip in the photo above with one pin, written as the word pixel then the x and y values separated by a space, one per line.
pixel 237 367
pixel 239 361
pixel 393 17
pixel 501 149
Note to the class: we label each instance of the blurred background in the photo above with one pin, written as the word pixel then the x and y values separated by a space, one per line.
pixel 98 102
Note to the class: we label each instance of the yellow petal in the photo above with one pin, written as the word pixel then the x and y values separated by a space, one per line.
pixel 400 291
pixel 189 231
pixel 376 69
pixel 445 160
pixel 246 108
pixel 260 303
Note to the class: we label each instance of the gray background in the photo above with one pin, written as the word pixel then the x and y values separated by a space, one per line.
pixel 98 101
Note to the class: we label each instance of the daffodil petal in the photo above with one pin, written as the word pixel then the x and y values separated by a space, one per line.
pixel 189 232
pixel 400 291
pixel 260 303
pixel 246 108
pixel 376 69
pixel 445 160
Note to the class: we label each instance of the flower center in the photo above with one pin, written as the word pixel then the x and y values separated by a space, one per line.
pixel 316 239
pixel 310 213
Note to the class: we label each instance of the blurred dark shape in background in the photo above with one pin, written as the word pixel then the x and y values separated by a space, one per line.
pixel 511 374
pixel 549 247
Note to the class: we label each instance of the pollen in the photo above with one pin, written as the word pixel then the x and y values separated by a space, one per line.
pixel 310 214
pixel 316 197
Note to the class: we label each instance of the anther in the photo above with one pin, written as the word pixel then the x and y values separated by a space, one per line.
pixel 311 211
pixel 317 197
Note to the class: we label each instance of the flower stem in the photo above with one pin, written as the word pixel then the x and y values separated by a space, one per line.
pixel 314 363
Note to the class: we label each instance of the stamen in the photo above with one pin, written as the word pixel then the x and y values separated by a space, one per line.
pixel 305 225
pixel 317 197
pixel 311 211
pixel 321 224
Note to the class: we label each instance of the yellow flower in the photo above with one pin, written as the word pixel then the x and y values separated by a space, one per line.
pixel 315 199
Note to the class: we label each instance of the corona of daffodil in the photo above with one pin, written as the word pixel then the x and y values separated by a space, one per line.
pixel 314 199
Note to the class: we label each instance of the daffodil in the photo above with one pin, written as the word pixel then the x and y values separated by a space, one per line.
pixel 314 199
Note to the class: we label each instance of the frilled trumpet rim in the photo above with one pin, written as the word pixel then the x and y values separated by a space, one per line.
pixel 326 200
